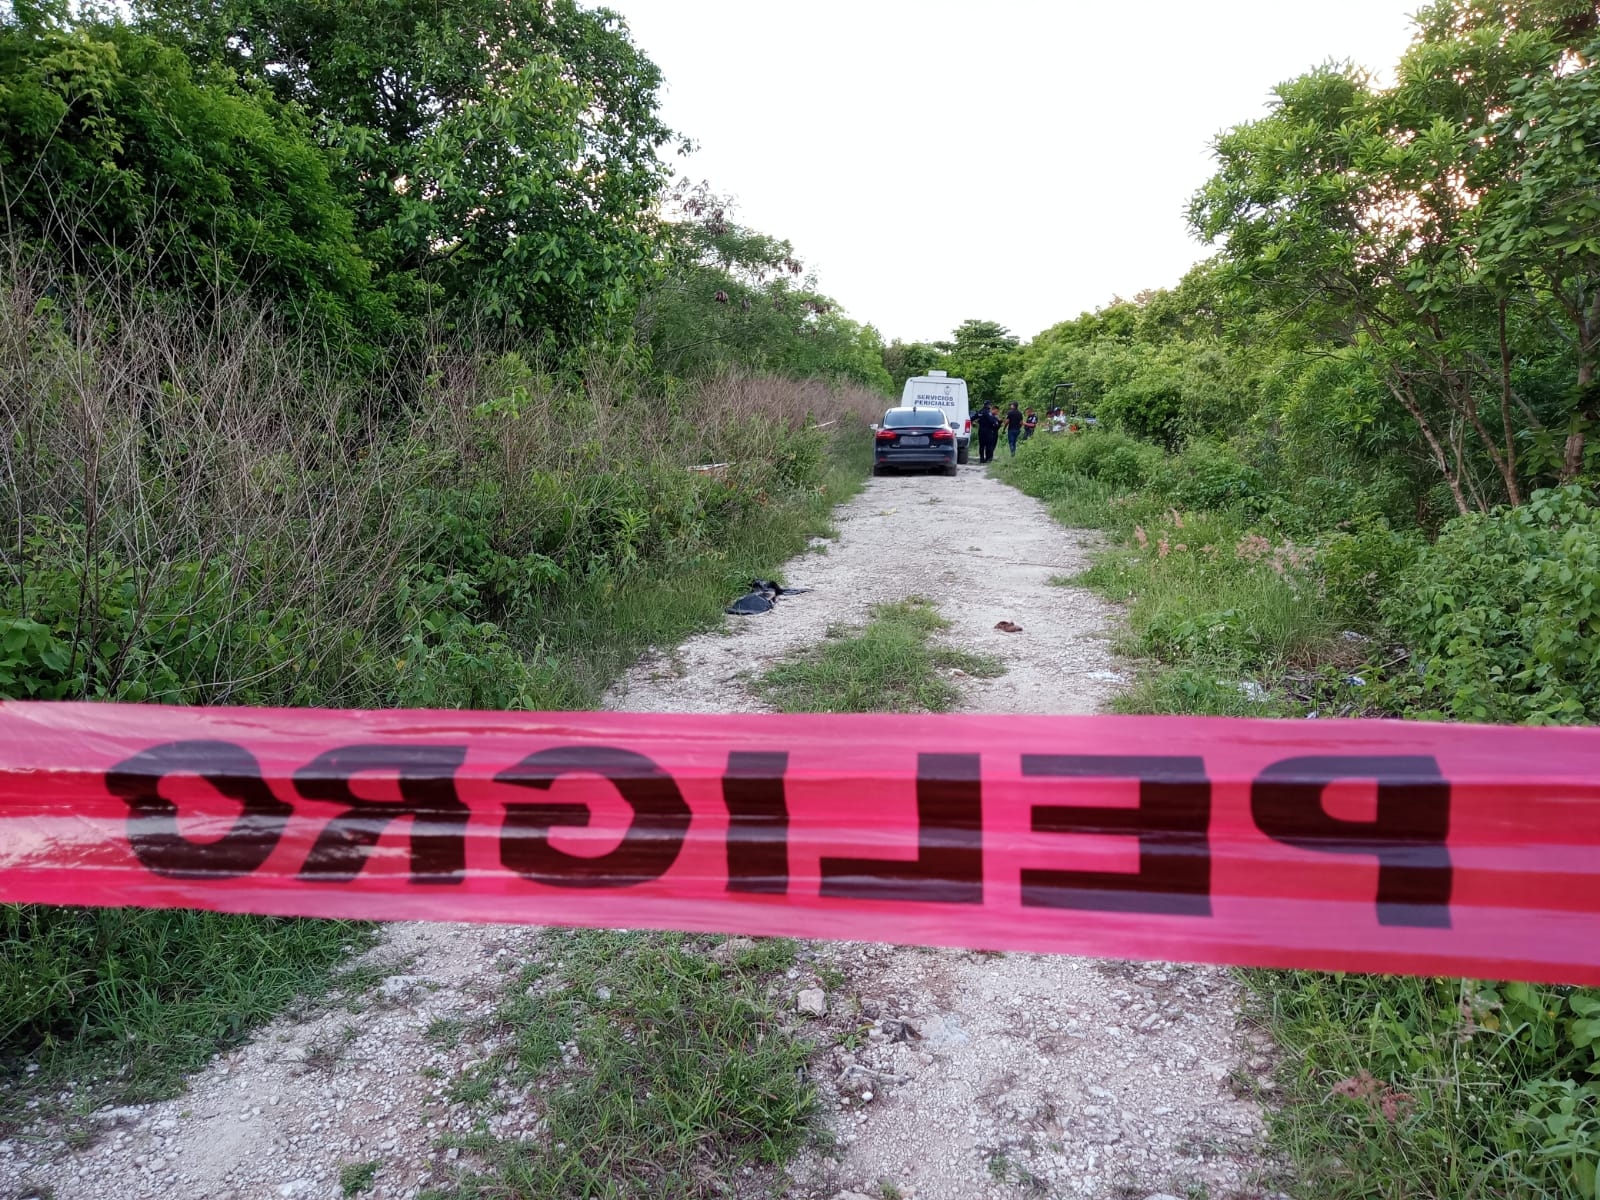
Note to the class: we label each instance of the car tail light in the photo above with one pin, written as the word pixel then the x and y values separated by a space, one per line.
pixel 968 429
pixel 943 435
pixel 886 435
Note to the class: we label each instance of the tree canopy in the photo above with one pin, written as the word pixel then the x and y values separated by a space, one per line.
pixel 380 166
pixel 113 146
pixel 500 155
pixel 1443 228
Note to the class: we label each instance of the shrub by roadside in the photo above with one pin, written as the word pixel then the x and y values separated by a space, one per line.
pixel 208 513
pixel 1504 613
pixel 1240 606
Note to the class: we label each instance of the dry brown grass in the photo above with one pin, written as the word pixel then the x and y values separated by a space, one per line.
pixel 207 511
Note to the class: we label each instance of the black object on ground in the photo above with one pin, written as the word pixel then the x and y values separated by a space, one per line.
pixel 762 596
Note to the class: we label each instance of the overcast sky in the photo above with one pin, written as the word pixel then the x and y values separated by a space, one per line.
pixel 1015 160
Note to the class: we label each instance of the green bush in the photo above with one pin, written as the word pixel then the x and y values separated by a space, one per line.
pixel 1208 476
pixel 1456 1087
pixel 1360 566
pixel 1308 505
pixel 1047 463
pixel 1503 614
pixel 95 627
pixel 1147 402
pixel 187 177
pixel 1126 465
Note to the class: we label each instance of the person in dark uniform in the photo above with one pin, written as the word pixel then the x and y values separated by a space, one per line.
pixel 1013 426
pixel 988 434
pixel 1029 425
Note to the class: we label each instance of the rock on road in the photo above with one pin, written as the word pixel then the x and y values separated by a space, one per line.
pixel 949 1075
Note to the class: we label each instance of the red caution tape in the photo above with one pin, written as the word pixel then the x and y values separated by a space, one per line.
pixel 1344 845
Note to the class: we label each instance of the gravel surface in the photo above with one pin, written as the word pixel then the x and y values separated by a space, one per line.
pixel 313 1092
pixel 1024 1074
pixel 980 550
pixel 948 1074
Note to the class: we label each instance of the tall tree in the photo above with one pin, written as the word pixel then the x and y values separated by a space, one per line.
pixel 730 295
pixel 1540 231
pixel 115 148
pixel 501 153
pixel 904 360
pixel 979 352
pixel 1370 212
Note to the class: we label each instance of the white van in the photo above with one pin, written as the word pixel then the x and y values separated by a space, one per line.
pixel 937 390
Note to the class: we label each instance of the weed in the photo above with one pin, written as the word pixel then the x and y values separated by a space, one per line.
pixel 353 983
pixel 124 1002
pixel 1434 1087
pixel 475 1085
pixel 1393 1087
pixel 856 1037
pixel 889 666
pixel 766 956
pixel 355 1178
pixel 324 1053
pixel 444 1031
pixel 1005 1169
pixel 682 1070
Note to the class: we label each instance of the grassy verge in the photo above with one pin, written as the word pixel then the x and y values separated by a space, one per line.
pixel 891 665
pixel 656 1063
pixel 116 1006
pixel 1413 1089
pixel 594 635
pixel 1388 1088
pixel 1222 619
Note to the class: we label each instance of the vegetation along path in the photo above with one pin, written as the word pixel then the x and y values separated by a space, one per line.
pixel 942 1074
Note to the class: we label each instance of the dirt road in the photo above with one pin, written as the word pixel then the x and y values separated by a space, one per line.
pixel 991 1076
pixel 949 1075
pixel 1003 550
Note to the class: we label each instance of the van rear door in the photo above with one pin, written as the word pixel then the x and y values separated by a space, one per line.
pixel 941 392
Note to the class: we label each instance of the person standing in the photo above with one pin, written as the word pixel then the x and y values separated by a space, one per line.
pixel 1030 424
pixel 988 433
pixel 1013 427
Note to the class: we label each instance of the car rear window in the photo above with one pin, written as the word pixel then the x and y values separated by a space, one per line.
pixel 899 418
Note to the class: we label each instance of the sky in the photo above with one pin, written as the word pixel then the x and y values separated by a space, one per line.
pixel 1021 161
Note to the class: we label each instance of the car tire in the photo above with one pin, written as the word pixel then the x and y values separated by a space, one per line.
pixel 961 456
pixel 879 469
pixel 949 471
